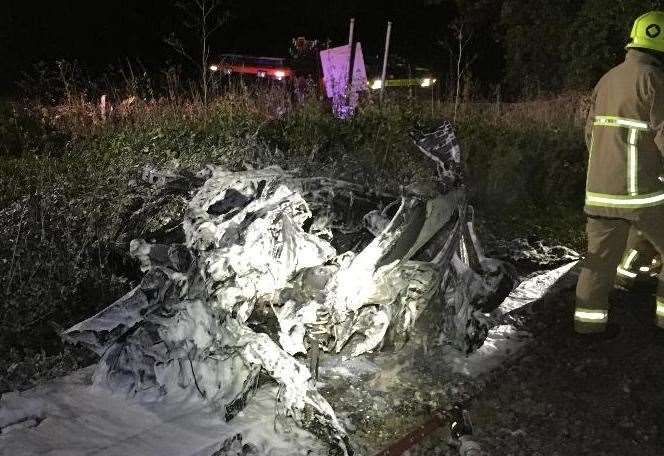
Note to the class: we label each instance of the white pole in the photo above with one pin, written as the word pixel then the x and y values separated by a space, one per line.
pixel 387 51
pixel 352 29
pixel 351 57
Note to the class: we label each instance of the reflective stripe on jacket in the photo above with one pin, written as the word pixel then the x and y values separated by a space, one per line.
pixel 625 138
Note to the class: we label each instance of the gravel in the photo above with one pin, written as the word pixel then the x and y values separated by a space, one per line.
pixel 570 397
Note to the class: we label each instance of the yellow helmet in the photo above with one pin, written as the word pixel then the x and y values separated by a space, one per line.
pixel 648 32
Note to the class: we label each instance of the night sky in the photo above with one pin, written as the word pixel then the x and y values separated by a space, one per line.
pixel 98 33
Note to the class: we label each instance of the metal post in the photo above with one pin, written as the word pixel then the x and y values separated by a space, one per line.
pixel 432 104
pixel 387 51
pixel 351 58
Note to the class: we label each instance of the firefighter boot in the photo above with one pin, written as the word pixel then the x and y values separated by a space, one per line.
pixel 611 332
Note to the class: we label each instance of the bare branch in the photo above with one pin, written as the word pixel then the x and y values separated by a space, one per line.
pixel 178 47
pixel 221 21
pixel 203 19
pixel 468 64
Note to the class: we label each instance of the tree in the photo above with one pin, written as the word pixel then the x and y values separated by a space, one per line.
pixel 470 36
pixel 202 18
pixel 462 36
pixel 597 38
pixel 534 36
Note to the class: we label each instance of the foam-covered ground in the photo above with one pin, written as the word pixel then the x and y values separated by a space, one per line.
pixel 68 417
pixel 377 397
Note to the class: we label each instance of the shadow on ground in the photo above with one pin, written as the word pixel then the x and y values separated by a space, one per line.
pixel 566 397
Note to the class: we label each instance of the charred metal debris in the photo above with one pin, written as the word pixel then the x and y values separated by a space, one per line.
pixel 276 269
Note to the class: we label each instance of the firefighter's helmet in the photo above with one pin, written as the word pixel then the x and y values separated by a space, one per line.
pixel 648 32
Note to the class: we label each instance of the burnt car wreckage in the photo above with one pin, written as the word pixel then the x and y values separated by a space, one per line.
pixel 278 270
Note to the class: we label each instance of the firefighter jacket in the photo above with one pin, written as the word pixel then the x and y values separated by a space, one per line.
pixel 625 139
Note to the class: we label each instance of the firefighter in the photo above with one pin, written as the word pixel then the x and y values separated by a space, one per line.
pixel 625 138
pixel 640 263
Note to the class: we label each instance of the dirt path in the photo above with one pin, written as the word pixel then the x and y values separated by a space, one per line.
pixel 565 398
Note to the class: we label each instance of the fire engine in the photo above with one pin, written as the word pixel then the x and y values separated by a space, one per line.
pixel 261 67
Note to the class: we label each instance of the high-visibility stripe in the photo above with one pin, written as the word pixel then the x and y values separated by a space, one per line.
pixel 624 268
pixel 624 201
pixel 590 155
pixel 613 121
pixel 660 307
pixel 633 199
pixel 626 273
pixel 630 259
pixel 644 269
pixel 632 163
pixel 591 316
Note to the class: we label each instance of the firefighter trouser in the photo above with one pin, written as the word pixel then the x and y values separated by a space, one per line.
pixel 607 239
pixel 639 253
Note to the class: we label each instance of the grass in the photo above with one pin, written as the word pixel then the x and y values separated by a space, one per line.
pixel 66 166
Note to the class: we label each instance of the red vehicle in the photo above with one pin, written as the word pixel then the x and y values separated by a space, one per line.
pixel 261 67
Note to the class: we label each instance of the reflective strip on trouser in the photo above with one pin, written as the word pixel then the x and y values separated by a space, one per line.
pixel 607 240
pixel 660 312
pixel 591 316
pixel 625 273
pixel 625 267
pixel 590 320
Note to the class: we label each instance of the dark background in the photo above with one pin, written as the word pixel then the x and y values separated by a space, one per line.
pixel 524 48
pixel 97 33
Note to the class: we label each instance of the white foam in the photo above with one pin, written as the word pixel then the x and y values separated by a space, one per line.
pixel 532 289
pixel 503 342
pixel 77 420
